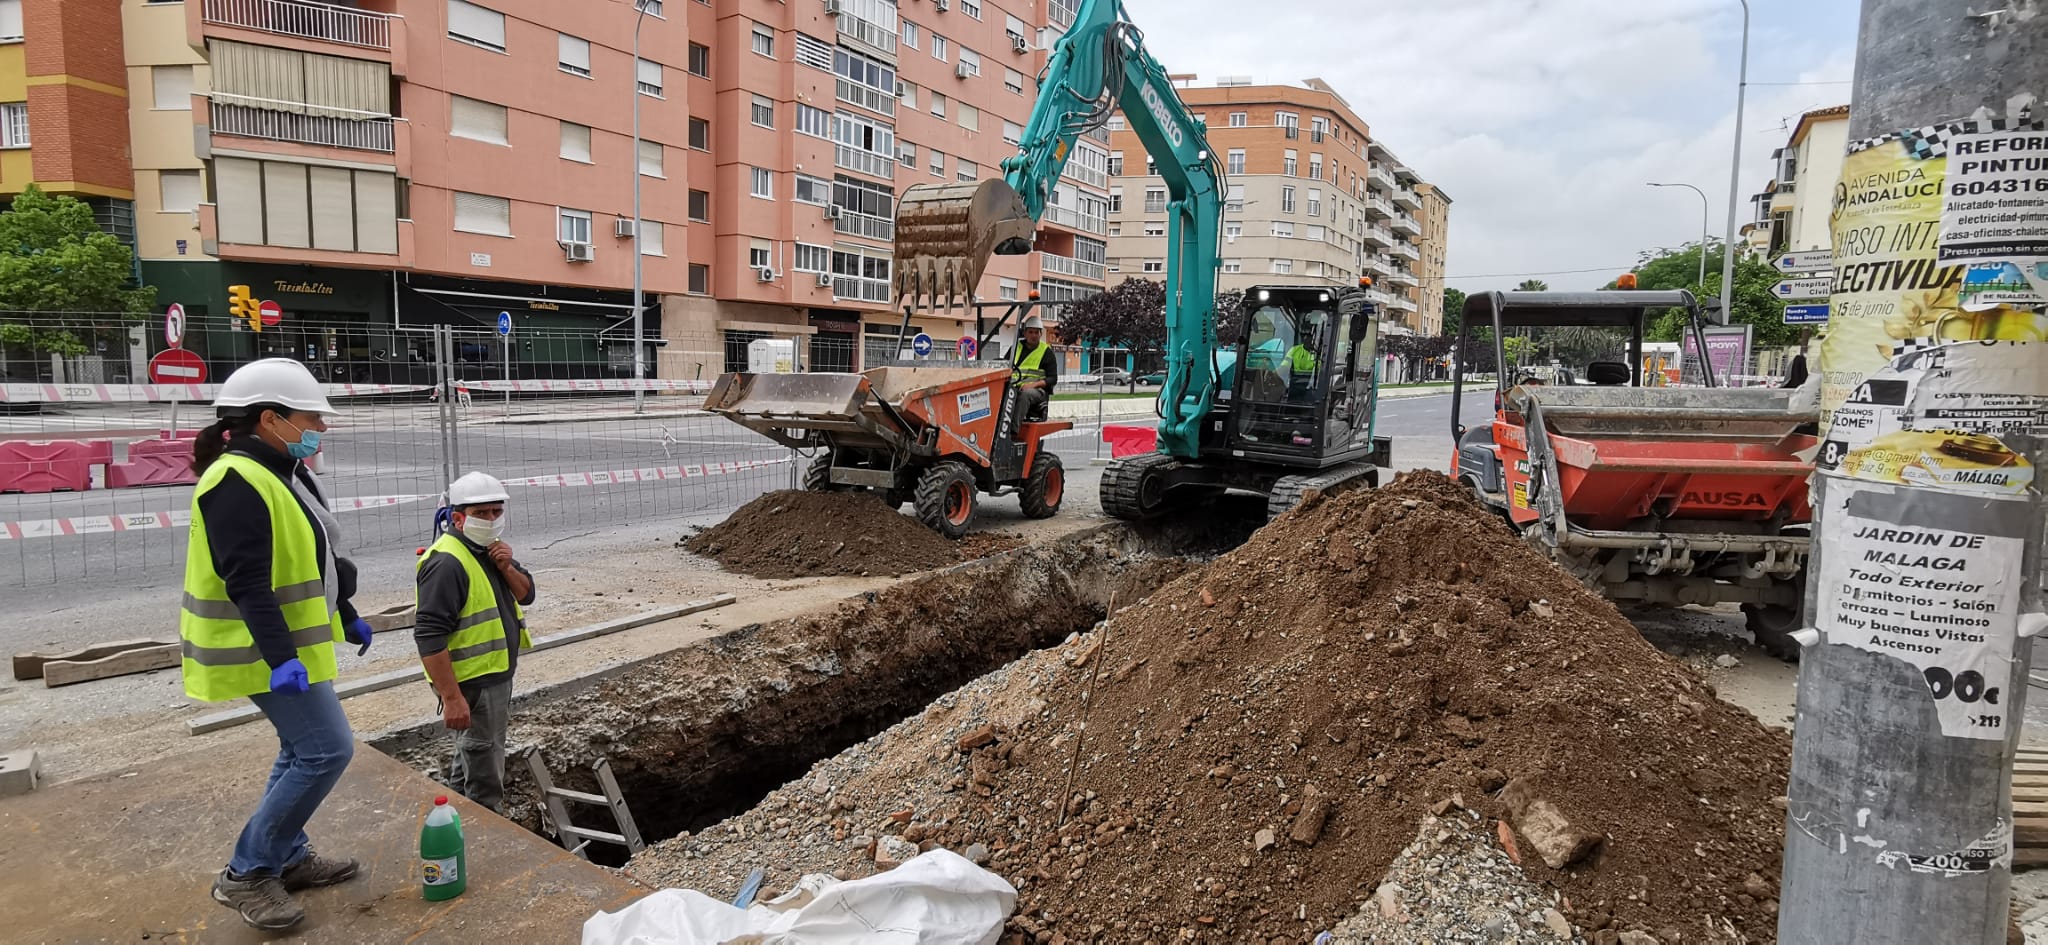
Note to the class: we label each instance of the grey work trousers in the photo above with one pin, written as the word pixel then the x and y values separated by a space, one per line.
pixel 477 769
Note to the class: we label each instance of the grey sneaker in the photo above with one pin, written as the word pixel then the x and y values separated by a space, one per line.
pixel 261 899
pixel 315 870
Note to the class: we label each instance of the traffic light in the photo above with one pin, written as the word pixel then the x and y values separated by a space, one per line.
pixel 243 305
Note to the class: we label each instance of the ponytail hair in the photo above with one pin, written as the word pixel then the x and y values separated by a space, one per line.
pixel 213 438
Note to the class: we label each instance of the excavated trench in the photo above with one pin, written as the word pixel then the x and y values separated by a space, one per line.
pixel 701 733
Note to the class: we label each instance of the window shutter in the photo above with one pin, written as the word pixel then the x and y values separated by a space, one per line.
pixel 470 21
pixel 481 213
pixel 482 121
pixel 240 212
pixel 575 141
pixel 574 52
pixel 284 205
pixel 333 202
pixel 376 213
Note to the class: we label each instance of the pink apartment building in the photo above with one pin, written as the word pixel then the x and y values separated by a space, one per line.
pixel 403 162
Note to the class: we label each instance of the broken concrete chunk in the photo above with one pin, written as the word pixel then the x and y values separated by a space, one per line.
pixel 1315 811
pixel 1263 840
pixel 892 852
pixel 1555 921
pixel 984 735
pixel 1550 834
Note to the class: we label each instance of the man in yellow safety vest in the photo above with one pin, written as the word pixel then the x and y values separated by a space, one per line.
pixel 470 626
pixel 1034 369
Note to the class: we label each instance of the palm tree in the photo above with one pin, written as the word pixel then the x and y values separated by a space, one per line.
pixel 1533 285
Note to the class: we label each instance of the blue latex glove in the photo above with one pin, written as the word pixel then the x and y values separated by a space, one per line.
pixel 289 678
pixel 358 631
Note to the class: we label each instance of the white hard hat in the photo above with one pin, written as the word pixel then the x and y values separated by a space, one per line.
pixel 1033 322
pixel 476 489
pixel 281 381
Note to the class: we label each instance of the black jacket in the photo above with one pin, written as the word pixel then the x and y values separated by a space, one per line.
pixel 238 535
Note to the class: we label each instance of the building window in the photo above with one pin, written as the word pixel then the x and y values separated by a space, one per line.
pixel 1116 229
pixel 1155 200
pixel 1316 233
pixel 762 182
pixel 938 163
pixel 1151 166
pixel 652 156
pixel 971 8
pixel 865 209
pixel 575 142
pixel 757 257
pixel 970 117
pixel 180 190
pixel 652 239
pixel 649 74
pixel 700 134
pixel 1234 162
pixel 700 279
pixel 764 111
pixel 650 7
pixel 1286 200
pixel 1233 265
pixel 966 170
pixel 1155 229
pixel 1202 118
pixel 173 85
pixel 572 226
pixel 1315 202
pixel 700 60
pixel 572 54
pixel 1284 267
pixel 475 25
pixel 700 206
pixel 1231 231
pixel 939 49
pixel 1013 132
pixel 1290 163
pixel 909 35
pixel 813 190
pixel 764 40
pixel 1013 81
pixel 863 145
pixel 482 213
pixel 815 122
pixel 1283 229
pixel 1154 265
pixel 10 20
pixel 1115 123
pixel 1238 120
pixel 1116 200
pixel 1006 289
pixel 1288 121
pixel 478 121
pixel 1317 128
pixel 1315 167
pixel 908 93
pixel 970 59
pixel 869 83
pixel 1116 164
pixel 813 52
pixel 1233 201
pixel 811 258
pixel 938 105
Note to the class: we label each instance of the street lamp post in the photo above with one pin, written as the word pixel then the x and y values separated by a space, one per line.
pixel 639 306
pixel 1734 178
pixel 1704 211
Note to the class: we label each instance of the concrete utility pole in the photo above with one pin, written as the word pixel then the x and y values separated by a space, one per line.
pixel 1900 820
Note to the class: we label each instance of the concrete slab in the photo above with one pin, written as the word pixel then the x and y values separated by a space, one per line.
pixel 129 856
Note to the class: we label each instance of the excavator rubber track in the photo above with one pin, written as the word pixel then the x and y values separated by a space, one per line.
pixel 1289 491
pixel 945 234
pixel 1127 483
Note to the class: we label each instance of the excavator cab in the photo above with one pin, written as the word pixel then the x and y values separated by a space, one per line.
pixel 1305 386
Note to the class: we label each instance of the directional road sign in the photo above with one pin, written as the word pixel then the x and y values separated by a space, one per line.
pixel 921 345
pixel 1806 314
pixel 1801 289
pixel 968 346
pixel 176 366
pixel 174 325
pixel 270 312
pixel 504 323
pixel 1812 260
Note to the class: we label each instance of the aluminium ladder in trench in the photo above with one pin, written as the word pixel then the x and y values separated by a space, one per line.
pixel 577 839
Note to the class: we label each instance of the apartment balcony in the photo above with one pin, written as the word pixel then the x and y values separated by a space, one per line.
pixel 1404 224
pixel 304 20
pixel 1378 265
pixel 242 117
pixel 1407 199
pixel 1376 235
pixel 1406 250
pixel 1401 277
pixel 1378 177
pixel 864 225
pixel 1378 206
pixel 865 162
pixel 860 288
pixel 1074 220
pixel 1069 266
pixel 878 38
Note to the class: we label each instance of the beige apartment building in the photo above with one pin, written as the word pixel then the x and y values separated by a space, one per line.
pixel 1312 199
pixel 1793 213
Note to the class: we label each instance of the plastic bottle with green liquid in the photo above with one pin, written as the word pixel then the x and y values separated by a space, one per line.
pixel 444 869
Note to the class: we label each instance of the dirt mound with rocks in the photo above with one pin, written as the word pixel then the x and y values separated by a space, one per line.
pixel 1264 735
pixel 794 533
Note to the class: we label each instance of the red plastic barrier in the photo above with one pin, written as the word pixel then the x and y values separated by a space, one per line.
pixel 60 466
pixel 153 463
pixel 1127 439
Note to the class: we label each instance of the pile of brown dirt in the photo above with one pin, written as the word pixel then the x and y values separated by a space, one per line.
pixel 990 544
pixel 1267 732
pixel 794 533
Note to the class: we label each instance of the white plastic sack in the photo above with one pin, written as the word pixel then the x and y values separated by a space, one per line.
pixel 936 898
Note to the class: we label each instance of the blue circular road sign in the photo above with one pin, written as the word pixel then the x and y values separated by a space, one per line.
pixel 504 323
pixel 922 344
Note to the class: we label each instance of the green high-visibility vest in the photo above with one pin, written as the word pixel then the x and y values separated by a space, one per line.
pixel 1302 360
pixel 1030 366
pixel 221 660
pixel 478 645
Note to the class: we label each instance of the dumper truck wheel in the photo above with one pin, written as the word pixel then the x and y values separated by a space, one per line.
pixel 945 499
pixel 818 475
pixel 1772 626
pixel 1045 487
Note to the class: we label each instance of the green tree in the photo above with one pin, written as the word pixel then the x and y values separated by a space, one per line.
pixel 54 258
pixel 1753 303
pixel 1521 351
pixel 1454 312
pixel 1533 285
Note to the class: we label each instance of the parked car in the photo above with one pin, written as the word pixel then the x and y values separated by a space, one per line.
pixel 1154 379
pixel 1113 375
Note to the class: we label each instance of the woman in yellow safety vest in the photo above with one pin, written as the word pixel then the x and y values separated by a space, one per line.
pixel 265 600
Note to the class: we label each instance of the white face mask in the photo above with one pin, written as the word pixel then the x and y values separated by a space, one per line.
pixel 483 531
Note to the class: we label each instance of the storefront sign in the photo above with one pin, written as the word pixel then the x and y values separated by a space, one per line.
pixel 303 288
pixel 543 306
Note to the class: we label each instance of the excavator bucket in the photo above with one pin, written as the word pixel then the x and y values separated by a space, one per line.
pixel 945 234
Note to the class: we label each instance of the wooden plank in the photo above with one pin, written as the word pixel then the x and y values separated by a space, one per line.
pixel 230 718
pixel 2030 856
pixel 30 665
pixel 127 662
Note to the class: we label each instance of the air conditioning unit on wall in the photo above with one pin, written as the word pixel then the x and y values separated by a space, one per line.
pixel 765 273
pixel 824 280
pixel 579 252
pixel 962 70
pixel 832 211
pixel 939 5
pixel 832 8
pixel 1019 43
pixel 622 228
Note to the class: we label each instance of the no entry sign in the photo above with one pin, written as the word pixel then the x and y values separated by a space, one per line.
pixel 177 366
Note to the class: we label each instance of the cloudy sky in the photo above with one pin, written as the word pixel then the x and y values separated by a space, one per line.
pixel 1542 119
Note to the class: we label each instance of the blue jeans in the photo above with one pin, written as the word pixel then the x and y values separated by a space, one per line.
pixel 314 745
